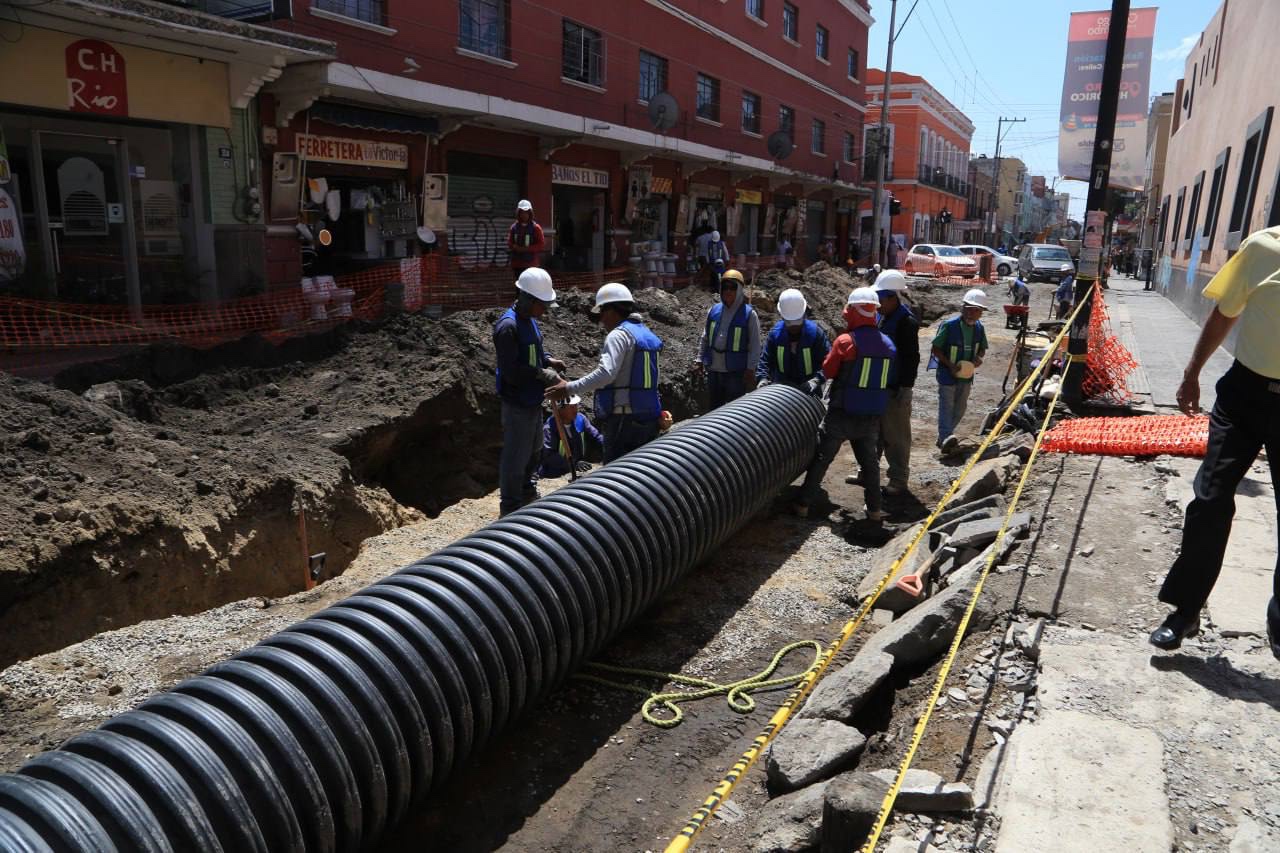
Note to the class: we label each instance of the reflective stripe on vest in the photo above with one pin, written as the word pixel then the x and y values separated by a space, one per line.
pixel 864 379
pixel 533 355
pixel 737 339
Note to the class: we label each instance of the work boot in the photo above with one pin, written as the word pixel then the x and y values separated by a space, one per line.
pixel 876 515
pixel 1177 627
pixel 896 487
pixel 949 444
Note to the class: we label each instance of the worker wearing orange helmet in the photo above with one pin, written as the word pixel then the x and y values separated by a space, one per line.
pixel 729 349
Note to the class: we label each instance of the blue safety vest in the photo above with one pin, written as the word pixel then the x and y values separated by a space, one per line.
pixel 793 368
pixel 529 340
pixel 735 357
pixel 889 325
pixel 577 438
pixel 865 388
pixel 957 351
pixel 642 384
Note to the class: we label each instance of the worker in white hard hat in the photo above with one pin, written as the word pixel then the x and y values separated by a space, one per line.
pixel 958 350
pixel 795 348
pixel 566 451
pixel 899 324
pixel 625 382
pixel 524 371
pixel 525 240
pixel 860 365
pixel 729 349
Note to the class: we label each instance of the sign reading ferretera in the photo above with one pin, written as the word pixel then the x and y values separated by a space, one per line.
pixel 1082 88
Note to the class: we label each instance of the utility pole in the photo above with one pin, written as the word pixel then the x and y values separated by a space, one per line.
pixel 995 231
pixel 1099 178
pixel 882 142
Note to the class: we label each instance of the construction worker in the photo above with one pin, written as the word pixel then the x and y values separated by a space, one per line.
pixel 1065 293
pixel 559 457
pixel 1245 418
pixel 524 371
pixel 860 365
pixel 794 351
pixel 626 380
pixel 729 350
pixel 900 325
pixel 525 240
pixel 958 350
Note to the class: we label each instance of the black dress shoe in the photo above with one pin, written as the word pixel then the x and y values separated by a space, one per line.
pixel 1176 628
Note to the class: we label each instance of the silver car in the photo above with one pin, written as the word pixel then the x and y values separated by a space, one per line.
pixel 1043 262
pixel 1002 264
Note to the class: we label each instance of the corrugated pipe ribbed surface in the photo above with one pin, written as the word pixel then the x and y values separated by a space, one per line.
pixel 321 736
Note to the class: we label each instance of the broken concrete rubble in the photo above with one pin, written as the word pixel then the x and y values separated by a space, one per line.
pixel 810 750
pixel 842 694
pixel 926 791
pixel 926 630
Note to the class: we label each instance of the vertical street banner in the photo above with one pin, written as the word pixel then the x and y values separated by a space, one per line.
pixel 1082 88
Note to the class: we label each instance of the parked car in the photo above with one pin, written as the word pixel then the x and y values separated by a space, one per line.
pixel 934 259
pixel 1043 262
pixel 1002 264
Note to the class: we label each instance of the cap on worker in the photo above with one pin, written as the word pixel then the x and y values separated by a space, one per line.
pixel 536 282
pixel 792 305
pixel 611 293
pixel 730 276
pixel 891 281
pixel 524 204
pixel 975 298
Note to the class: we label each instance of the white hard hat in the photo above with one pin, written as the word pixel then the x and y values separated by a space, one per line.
pixel 536 282
pixel 975 298
pixel 864 296
pixel 610 293
pixel 792 305
pixel 876 267
pixel 524 204
pixel 573 401
pixel 891 281
pixel 715 236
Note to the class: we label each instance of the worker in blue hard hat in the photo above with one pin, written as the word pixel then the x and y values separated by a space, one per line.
pixel 796 346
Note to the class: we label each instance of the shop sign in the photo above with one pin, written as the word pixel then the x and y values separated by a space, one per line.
pixel 353 152
pixel 13 256
pixel 4 160
pixel 750 197
pixel 706 191
pixel 96 81
pixel 639 182
pixel 579 176
pixel 660 186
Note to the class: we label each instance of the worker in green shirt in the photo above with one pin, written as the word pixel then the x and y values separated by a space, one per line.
pixel 958 350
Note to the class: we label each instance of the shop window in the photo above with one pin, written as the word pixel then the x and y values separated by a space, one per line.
pixel 790 21
pixel 1255 149
pixel 787 122
pixel 1214 205
pixel 818 137
pixel 482 27
pixel 1177 218
pixel 370 11
pixel 653 75
pixel 755 8
pixel 1193 212
pixel 583 55
pixel 848 148
pixel 853 68
pixel 750 112
pixel 821 38
pixel 708 106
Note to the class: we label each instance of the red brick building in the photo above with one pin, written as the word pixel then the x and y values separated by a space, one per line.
pixel 928 165
pixel 552 102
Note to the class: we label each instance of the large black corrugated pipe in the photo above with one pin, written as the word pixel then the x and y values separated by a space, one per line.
pixel 321 736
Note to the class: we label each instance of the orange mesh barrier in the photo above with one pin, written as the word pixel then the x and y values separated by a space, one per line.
pixel 1150 435
pixel 1109 363
pixel 432 281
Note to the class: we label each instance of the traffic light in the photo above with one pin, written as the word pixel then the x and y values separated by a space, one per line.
pixel 895 206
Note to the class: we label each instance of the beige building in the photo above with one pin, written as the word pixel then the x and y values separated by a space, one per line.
pixel 1222 169
pixel 1158 121
pixel 1009 201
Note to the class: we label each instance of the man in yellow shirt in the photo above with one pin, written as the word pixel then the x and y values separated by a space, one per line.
pixel 1245 418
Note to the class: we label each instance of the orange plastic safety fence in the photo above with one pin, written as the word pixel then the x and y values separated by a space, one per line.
pixel 1150 435
pixel 1109 363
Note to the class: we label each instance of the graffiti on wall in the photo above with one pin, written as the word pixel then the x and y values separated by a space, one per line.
pixel 479 238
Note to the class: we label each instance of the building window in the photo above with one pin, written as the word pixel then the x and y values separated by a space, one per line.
pixel 818 137
pixel 755 8
pixel 791 21
pixel 1273 218
pixel 482 27
pixel 787 122
pixel 370 11
pixel 1177 219
pixel 1255 149
pixel 708 105
pixel 582 57
pixel 848 147
pixel 653 75
pixel 820 39
pixel 1164 221
pixel 751 112
pixel 853 69
pixel 1214 205
pixel 1193 212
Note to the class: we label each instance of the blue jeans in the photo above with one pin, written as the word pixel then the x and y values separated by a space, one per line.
pixel 623 434
pixel 862 432
pixel 521 450
pixel 952 402
pixel 725 387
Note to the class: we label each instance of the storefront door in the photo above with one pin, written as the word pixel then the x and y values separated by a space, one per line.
pixel 86 217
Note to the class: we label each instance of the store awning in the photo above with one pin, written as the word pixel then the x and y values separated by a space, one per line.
pixel 366 119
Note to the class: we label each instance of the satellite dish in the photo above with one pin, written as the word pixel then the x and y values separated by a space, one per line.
pixel 779 145
pixel 664 112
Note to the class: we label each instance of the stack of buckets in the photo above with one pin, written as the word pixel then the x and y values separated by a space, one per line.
pixel 658 268
pixel 317 293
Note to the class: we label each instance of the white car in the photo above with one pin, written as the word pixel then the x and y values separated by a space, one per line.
pixel 1003 264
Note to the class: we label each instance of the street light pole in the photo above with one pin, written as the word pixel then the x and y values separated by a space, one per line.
pixel 882 142
pixel 995 229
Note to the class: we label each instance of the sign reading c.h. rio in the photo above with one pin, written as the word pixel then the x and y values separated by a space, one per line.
pixel 1082 88
pixel 96 80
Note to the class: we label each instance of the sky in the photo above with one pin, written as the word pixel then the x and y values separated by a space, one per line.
pixel 995 58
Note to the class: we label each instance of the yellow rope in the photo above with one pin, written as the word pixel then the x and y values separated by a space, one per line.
pixel 737 693
pixel 684 840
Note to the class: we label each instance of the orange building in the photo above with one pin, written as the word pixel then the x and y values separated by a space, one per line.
pixel 928 164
